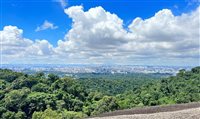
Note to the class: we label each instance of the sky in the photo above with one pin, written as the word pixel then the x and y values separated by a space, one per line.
pixel 134 32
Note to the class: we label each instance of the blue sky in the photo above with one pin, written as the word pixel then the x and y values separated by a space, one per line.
pixel 28 14
pixel 31 15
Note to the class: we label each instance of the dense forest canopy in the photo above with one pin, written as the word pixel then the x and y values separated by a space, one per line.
pixel 38 96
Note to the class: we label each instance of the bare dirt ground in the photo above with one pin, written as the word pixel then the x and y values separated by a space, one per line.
pixel 178 111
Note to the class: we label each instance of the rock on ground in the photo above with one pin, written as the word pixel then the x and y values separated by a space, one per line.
pixel 193 113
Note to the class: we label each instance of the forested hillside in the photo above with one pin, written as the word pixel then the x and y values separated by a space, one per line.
pixel 39 96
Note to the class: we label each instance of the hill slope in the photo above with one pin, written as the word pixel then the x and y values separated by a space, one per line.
pixel 40 96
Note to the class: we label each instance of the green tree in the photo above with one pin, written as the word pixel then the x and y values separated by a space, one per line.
pixel 52 78
pixel 20 115
pixel 47 114
pixel 8 115
pixel 106 104
pixel 14 99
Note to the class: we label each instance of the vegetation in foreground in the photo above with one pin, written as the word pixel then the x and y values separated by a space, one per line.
pixel 24 96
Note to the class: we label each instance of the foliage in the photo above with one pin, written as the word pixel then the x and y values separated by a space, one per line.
pixel 41 96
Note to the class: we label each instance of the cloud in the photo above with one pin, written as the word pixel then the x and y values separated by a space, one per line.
pixel 95 28
pixel 190 2
pixel 98 36
pixel 12 41
pixel 63 3
pixel 41 48
pixel 46 25
pixel 168 34
pixel 16 47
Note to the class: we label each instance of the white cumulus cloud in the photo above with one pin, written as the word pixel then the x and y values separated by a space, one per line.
pixel 16 47
pixel 46 25
pixel 98 36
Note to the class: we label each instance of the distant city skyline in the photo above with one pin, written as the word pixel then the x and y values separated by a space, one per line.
pixel 123 32
pixel 97 69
